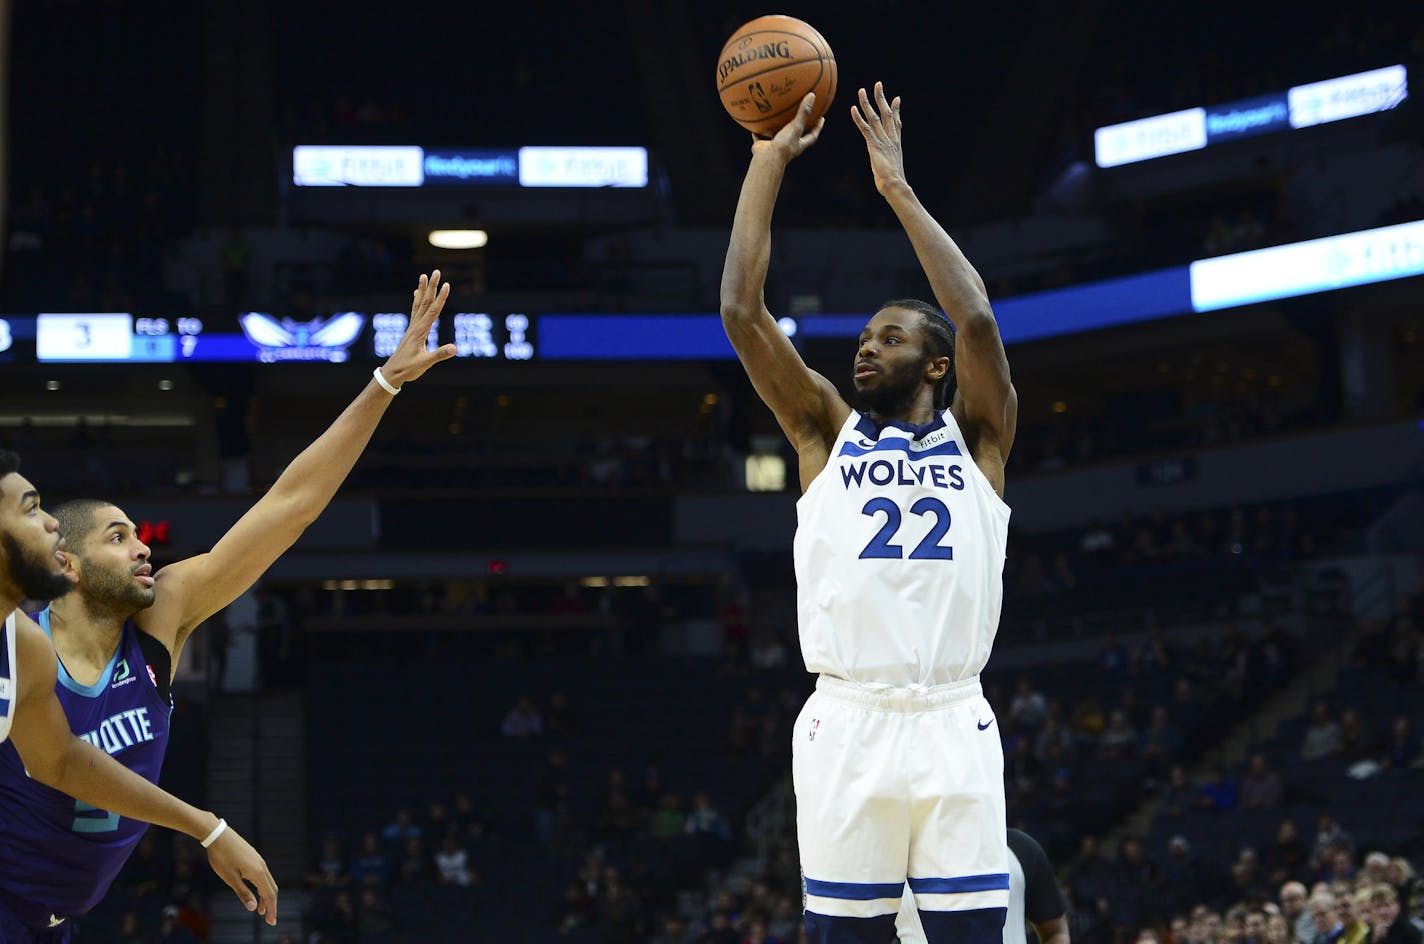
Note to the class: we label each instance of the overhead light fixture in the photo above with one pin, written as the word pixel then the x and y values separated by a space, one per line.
pixel 458 238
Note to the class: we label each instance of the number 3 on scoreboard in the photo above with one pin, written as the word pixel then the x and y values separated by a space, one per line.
pixel 929 547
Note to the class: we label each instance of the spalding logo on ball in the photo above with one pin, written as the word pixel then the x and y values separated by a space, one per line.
pixel 768 66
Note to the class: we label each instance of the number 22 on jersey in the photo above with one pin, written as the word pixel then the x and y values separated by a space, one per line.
pixel 929 547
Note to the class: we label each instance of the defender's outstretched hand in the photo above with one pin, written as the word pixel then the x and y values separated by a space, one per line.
pixel 881 127
pixel 411 359
pixel 793 138
pixel 234 860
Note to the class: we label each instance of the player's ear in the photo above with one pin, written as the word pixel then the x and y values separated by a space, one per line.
pixel 936 369
pixel 71 565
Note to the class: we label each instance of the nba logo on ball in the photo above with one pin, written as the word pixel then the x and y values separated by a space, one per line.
pixel 815 726
pixel 766 68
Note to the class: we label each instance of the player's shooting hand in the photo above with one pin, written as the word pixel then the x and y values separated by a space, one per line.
pixel 411 359
pixel 881 127
pixel 234 860
pixel 793 138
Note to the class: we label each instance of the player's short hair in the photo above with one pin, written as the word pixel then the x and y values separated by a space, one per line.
pixel 939 341
pixel 9 462
pixel 76 520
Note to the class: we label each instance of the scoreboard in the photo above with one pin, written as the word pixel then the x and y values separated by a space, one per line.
pixel 262 337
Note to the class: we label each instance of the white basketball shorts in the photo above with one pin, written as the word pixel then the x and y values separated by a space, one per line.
pixel 897 785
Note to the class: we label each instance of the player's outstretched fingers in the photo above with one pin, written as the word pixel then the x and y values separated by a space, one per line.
pixel 267 892
pixel 871 118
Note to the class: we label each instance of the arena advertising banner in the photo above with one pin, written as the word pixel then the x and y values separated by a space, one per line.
pixel 375 166
pixel 1303 106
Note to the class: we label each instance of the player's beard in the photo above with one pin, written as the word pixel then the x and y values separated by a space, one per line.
pixel 33 574
pixel 115 591
pixel 893 390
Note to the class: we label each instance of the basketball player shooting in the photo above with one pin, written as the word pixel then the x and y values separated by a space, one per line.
pixel 119 636
pixel 899 555
pixel 32 718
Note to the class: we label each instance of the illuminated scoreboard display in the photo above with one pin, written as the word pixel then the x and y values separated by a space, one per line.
pixel 114 337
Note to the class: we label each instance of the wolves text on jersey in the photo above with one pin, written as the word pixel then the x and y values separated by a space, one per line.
pixel 902 472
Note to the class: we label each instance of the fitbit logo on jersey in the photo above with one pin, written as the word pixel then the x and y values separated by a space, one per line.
pixel 902 472
pixel 124 729
pixel 779 50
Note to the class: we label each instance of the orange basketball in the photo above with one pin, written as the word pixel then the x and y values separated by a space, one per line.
pixel 768 66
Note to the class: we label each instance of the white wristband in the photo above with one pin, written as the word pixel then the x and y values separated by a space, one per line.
pixel 385 384
pixel 218 830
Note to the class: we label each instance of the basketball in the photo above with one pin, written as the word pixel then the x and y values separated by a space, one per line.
pixel 768 66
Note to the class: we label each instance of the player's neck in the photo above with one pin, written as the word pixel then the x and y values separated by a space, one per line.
pixel 916 413
pixel 83 634
pixel 9 602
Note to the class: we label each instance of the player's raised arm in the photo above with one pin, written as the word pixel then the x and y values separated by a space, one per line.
pixel 806 404
pixel 986 404
pixel 56 758
pixel 190 591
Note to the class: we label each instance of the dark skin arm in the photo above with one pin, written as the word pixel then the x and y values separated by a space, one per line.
pixel 1052 931
pixel 985 404
pixel 806 404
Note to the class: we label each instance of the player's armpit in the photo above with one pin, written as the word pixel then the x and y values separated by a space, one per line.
pixel 985 403
pixel 1052 931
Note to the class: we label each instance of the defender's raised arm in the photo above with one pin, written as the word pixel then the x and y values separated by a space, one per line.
pixel 194 589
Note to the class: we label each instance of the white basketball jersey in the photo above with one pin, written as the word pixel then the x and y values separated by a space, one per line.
pixel 8 690
pixel 899 557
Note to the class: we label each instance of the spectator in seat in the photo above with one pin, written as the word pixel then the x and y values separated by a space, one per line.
pixel 1286 855
pixel 1278 929
pixel 1376 869
pixel 415 866
pixel 709 830
pixel 1388 924
pixel 1180 795
pixel 1322 735
pixel 1328 835
pixel 1118 739
pixel 1218 794
pixel 1354 910
pixel 403 827
pixel 1253 928
pixel 1029 709
pixel 1261 790
pixel 375 921
pixel 1325 914
pixel 1181 876
pixel 1295 909
pixel 371 863
pixel 1356 742
pixel 330 868
pixel 1407 884
pixel 1401 751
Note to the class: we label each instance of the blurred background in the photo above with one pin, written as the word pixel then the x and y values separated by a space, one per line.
pixel 531 676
